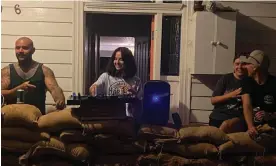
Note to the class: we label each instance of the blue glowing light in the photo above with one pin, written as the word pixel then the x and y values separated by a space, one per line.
pixel 155 98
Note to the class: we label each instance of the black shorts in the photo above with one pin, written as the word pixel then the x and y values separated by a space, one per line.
pixel 217 123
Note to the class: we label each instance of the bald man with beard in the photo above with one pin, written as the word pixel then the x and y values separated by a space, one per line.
pixel 31 76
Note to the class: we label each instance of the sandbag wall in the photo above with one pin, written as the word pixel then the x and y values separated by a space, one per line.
pixel 19 131
pixel 206 145
pixel 64 138
pixel 60 138
pixel 188 146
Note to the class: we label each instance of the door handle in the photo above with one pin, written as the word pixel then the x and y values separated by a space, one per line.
pixel 215 43
pixel 218 43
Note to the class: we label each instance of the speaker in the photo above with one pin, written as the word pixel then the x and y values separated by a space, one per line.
pixel 156 103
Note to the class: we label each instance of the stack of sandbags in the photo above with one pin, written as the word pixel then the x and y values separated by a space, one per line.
pixel 240 144
pixel 165 159
pixel 42 152
pixel 187 146
pixel 20 129
pixel 189 142
pixel 55 152
pixel 106 137
pixel 65 121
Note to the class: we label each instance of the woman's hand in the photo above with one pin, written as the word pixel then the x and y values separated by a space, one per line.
pixel 127 89
pixel 93 90
pixel 235 93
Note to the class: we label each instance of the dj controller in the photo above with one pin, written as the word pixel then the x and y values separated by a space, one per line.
pixel 91 100
pixel 100 107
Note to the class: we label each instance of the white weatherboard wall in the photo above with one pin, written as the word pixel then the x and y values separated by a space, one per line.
pixel 50 25
pixel 174 98
pixel 202 87
pixel 256 29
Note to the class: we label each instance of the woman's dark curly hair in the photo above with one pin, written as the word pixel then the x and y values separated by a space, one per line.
pixel 129 70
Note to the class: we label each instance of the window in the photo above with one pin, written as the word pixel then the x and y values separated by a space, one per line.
pixel 170 47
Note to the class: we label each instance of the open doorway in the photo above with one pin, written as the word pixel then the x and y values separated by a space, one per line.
pixel 106 32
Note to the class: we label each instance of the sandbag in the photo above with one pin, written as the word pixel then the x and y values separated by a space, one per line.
pixel 78 151
pixel 76 136
pixel 117 148
pixel 15 146
pixel 269 160
pixel 240 143
pixel 152 132
pixel 92 130
pixel 267 141
pixel 145 146
pixel 199 150
pixel 57 121
pixel 53 163
pixel 71 136
pixel 9 160
pixel 20 115
pixel 170 160
pixel 264 128
pixel 207 134
pixel 114 127
pixel 56 148
pixel 266 137
pixel 113 160
pixel 110 144
pixel 23 134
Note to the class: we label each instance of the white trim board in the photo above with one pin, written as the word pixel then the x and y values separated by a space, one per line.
pixel 125 7
pixel 184 70
pixel 78 49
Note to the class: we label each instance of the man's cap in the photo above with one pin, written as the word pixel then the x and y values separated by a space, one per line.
pixel 258 59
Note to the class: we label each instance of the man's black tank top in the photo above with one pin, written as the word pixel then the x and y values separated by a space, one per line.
pixel 36 96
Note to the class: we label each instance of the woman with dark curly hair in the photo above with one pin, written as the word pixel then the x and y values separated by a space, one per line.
pixel 119 79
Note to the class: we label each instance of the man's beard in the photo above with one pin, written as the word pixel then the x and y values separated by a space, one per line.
pixel 22 57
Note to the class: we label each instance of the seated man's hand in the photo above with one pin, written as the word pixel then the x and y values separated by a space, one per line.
pixel 252 131
pixel 60 104
pixel 26 86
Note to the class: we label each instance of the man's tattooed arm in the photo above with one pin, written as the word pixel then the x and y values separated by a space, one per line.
pixel 5 78
pixel 54 89
pixel 5 83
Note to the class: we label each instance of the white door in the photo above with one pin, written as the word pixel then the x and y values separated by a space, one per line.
pixel 214 42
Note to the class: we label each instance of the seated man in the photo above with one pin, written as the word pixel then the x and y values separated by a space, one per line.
pixel 260 92
pixel 228 112
pixel 33 77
